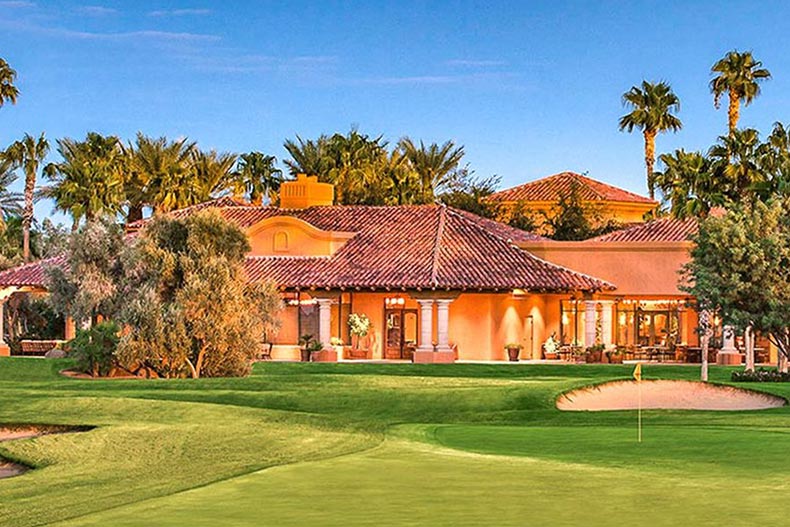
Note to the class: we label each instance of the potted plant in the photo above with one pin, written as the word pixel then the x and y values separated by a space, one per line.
pixel 579 354
pixel 337 344
pixel 304 343
pixel 513 351
pixel 614 356
pixel 314 347
pixel 551 348
pixel 359 326
pixel 594 353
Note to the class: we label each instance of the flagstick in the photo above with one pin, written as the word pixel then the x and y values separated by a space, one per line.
pixel 639 414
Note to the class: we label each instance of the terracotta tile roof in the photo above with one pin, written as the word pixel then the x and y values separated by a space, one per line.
pixel 32 274
pixel 406 247
pixel 661 230
pixel 552 187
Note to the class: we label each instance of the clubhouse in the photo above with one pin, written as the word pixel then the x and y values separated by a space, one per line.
pixel 440 284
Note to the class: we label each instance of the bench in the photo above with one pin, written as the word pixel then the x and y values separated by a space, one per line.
pixel 38 347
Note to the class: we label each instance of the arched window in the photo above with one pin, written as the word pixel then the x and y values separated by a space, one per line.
pixel 281 242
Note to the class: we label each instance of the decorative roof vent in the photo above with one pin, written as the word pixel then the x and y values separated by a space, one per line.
pixel 305 192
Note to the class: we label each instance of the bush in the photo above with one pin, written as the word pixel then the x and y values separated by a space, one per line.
pixel 760 375
pixel 94 348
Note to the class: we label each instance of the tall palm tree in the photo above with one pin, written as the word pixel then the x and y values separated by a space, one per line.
pixel 433 164
pixel 738 75
pixel 257 177
pixel 89 181
pixel 8 91
pixel 28 153
pixel 652 107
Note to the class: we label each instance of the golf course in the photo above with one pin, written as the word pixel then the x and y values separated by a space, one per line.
pixel 395 444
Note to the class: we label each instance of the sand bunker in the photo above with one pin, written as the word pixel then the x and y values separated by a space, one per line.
pixel 667 395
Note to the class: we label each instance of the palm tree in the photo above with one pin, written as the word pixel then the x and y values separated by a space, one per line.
pixel 10 202
pixel 688 184
pixel 8 92
pixel 652 112
pixel 160 174
pixel 28 153
pixel 433 164
pixel 738 77
pixel 212 173
pixel 308 156
pixel 89 181
pixel 736 162
pixel 257 177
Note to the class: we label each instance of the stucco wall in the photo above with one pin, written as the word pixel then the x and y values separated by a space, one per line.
pixel 640 269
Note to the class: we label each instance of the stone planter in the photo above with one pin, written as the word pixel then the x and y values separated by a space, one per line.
pixel 325 355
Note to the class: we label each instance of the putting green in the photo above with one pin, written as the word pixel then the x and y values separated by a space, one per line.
pixel 408 483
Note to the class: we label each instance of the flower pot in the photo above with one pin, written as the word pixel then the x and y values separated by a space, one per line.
pixel 512 354
pixel 616 359
pixel 552 356
pixel 305 355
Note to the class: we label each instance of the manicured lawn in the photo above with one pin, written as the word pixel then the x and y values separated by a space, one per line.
pixel 353 444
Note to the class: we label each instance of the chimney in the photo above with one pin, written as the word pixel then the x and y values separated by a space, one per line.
pixel 305 192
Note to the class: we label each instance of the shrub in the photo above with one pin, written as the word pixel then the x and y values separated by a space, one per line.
pixel 94 348
pixel 760 375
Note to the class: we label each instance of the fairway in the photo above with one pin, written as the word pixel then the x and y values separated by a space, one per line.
pixel 356 444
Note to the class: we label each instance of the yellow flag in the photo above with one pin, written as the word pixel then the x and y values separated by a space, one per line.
pixel 638 372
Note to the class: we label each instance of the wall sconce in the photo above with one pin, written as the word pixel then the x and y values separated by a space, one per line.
pixel 395 301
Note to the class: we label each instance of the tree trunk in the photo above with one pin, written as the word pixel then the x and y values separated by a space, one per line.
pixel 134 213
pixel 733 112
pixel 704 324
pixel 27 215
pixel 650 160
pixel 748 340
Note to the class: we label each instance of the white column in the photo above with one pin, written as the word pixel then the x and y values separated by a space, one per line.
pixel 589 323
pixel 442 324
pixel 606 323
pixel 426 324
pixel 728 340
pixel 324 321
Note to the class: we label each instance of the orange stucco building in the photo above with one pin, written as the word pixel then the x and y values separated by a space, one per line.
pixel 440 284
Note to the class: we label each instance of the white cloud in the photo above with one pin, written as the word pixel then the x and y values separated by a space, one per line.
pixel 468 63
pixel 97 10
pixel 16 3
pixel 180 12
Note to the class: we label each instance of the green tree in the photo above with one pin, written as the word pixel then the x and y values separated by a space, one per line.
pixel 8 91
pixel 89 180
pixel 738 76
pixel 28 153
pixel 257 177
pixel 188 307
pixel 571 219
pixel 308 156
pixel 740 268
pixel 434 165
pixel 736 162
pixel 468 192
pixel 652 106
pixel 90 286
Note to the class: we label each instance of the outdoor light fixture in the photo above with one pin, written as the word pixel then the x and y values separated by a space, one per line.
pixel 395 301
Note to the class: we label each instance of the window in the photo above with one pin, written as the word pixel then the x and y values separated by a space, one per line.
pixel 280 242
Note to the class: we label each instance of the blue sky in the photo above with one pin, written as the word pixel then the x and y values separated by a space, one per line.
pixel 530 88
